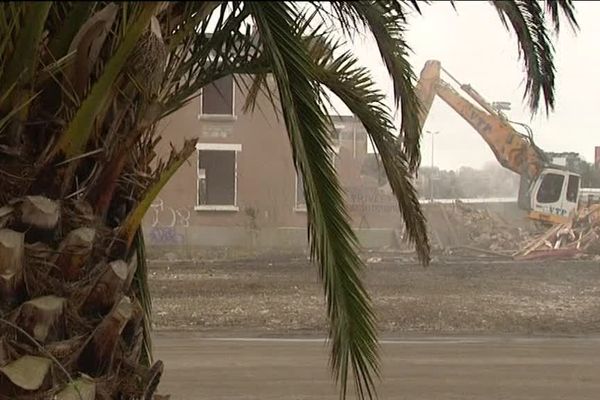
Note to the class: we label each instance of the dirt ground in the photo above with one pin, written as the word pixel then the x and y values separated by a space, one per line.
pixel 271 296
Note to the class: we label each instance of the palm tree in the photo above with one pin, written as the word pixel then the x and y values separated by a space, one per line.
pixel 82 88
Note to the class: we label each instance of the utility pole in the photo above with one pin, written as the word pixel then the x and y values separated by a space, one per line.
pixel 432 165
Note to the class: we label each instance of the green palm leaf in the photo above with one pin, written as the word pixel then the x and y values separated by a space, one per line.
pixel 535 47
pixel 355 87
pixel 74 140
pixel 386 20
pixel 566 7
pixel 332 241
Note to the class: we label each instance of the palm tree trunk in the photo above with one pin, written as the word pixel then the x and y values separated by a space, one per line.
pixel 70 314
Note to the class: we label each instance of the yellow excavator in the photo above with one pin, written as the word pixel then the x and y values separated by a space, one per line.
pixel 548 193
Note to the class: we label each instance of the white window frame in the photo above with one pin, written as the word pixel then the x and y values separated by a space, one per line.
pixel 302 207
pixel 236 148
pixel 297 206
pixel 231 116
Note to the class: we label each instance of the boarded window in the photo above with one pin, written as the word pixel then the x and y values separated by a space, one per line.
pixel 217 97
pixel 216 177
pixel 551 188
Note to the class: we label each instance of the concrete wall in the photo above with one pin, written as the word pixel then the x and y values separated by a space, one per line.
pixel 195 241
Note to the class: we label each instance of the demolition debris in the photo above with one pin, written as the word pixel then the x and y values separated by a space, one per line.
pixel 462 230
pixel 575 239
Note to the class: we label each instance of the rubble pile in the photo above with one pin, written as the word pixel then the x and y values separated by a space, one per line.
pixel 576 238
pixel 486 230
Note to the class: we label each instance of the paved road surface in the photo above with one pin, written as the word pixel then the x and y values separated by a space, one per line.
pixel 413 368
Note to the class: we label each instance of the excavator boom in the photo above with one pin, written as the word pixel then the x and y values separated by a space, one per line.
pixel 512 149
pixel 549 193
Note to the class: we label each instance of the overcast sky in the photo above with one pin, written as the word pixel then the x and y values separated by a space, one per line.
pixel 473 45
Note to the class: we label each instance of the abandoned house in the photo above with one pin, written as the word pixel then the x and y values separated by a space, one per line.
pixel 240 189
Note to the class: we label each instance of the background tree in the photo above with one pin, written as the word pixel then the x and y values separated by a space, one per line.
pixel 82 88
pixel 590 175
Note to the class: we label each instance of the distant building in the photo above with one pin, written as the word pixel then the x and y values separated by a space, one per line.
pixel 570 160
pixel 240 189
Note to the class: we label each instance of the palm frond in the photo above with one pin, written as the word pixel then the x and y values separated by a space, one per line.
pixel 22 62
pixel 16 109
pixel 73 141
pixel 385 20
pixel 231 49
pixel 259 82
pixel 61 41
pixel 142 290
pixel 257 86
pixel 351 18
pixel 21 67
pixel 555 7
pixel 86 46
pixel 535 47
pixel 10 17
pixel 354 86
pixel 332 241
pixel 190 19
pixel 163 173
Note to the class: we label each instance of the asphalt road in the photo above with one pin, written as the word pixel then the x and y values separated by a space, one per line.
pixel 415 368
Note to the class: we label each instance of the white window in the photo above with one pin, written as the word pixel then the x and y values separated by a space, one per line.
pixel 217 177
pixel 300 201
pixel 218 98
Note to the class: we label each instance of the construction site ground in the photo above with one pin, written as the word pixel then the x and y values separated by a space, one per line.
pixel 274 296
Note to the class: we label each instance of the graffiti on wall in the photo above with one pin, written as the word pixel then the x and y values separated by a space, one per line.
pixel 370 200
pixel 165 216
pixel 165 221
pixel 165 235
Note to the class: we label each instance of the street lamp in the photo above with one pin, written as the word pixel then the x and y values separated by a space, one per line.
pixel 501 105
pixel 431 172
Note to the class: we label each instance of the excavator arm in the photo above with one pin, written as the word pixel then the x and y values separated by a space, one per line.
pixel 512 149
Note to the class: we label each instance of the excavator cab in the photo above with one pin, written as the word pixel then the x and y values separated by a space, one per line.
pixel 553 196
